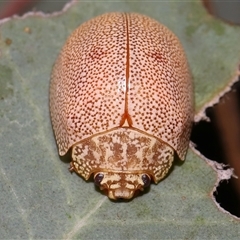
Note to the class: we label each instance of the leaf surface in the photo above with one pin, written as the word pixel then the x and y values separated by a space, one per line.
pixel 40 198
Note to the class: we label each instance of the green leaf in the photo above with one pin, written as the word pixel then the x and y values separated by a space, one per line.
pixel 40 198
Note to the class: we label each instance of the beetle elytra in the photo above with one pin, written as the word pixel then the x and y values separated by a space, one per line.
pixel 121 98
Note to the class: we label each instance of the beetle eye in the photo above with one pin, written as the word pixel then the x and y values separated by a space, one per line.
pixel 98 178
pixel 146 180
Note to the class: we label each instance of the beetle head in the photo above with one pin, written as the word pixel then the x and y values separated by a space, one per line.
pixel 121 185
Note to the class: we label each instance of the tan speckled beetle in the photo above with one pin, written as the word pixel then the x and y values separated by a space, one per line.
pixel 121 97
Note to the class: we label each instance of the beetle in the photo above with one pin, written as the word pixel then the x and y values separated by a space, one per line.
pixel 121 98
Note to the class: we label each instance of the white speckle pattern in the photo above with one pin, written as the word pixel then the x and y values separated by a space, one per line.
pixel 122 150
pixel 122 155
pixel 122 72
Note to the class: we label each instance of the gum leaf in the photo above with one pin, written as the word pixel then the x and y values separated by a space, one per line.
pixel 39 198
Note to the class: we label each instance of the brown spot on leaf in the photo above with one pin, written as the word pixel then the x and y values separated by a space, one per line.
pixel 8 41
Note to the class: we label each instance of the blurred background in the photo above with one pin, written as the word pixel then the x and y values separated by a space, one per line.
pixel 19 7
pixel 226 10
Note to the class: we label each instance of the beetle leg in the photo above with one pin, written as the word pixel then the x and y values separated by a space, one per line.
pixel 71 168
